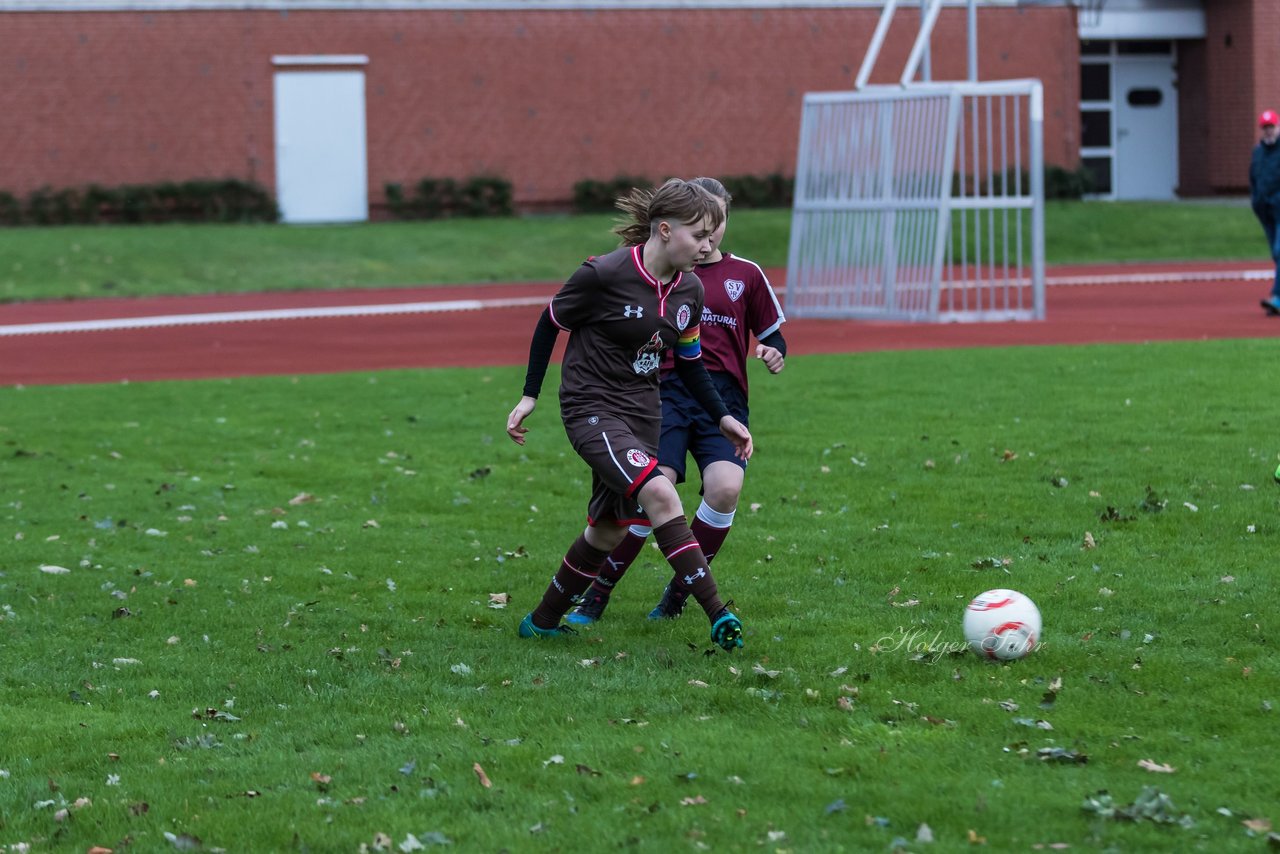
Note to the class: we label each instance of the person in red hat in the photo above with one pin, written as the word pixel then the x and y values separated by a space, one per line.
pixel 1264 194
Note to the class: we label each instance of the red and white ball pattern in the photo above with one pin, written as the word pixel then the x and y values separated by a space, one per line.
pixel 1002 625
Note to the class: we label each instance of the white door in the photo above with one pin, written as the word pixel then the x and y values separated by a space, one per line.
pixel 321 173
pixel 1146 116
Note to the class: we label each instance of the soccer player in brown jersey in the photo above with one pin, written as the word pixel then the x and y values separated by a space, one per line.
pixel 739 302
pixel 622 311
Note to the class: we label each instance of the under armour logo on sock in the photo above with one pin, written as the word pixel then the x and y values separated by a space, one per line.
pixel 689 579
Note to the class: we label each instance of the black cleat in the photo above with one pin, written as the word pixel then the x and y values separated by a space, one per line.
pixel 670 606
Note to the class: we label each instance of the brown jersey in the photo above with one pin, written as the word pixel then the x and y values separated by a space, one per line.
pixel 621 320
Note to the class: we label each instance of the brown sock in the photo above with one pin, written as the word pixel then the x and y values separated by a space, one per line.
pixel 709 537
pixel 684 554
pixel 619 561
pixel 578 569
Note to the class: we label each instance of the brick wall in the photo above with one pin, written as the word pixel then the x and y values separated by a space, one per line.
pixel 1242 79
pixel 1193 118
pixel 545 98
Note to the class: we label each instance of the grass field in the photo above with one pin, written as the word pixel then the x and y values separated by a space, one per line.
pixel 72 262
pixel 275 629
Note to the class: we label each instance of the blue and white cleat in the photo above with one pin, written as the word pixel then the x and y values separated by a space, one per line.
pixel 726 632
pixel 590 609
pixel 529 630
pixel 670 606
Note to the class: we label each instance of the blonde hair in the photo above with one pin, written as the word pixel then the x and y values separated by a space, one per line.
pixel 686 202
pixel 715 188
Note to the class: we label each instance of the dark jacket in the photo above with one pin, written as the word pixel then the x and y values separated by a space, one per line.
pixel 1264 179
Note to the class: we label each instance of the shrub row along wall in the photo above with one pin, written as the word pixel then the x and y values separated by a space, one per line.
pixel 430 198
pixel 191 201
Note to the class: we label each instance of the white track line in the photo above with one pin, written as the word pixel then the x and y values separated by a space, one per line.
pixel 159 320
pixel 200 319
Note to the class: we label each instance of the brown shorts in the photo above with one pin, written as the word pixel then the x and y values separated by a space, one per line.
pixel 621 463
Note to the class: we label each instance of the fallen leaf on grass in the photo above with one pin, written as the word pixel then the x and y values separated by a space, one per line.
pixel 1257 825
pixel 51 569
pixel 499 600
pixel 184 841
pixel 759 669
pixel 1155 767
pixel 1032 722
pixel 694 801
pixel 587 770
pixel 1089 542
pixel 301 498
pixel 1061 754
pixel 481 776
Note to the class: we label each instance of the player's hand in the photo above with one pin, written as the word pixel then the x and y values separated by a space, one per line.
pixel 772 358
pixel 515 421
pixel 735 431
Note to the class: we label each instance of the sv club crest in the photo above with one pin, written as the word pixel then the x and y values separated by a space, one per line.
pixel 734 288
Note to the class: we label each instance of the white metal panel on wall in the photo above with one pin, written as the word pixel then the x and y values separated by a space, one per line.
pixel 1146 121
pixel 321 162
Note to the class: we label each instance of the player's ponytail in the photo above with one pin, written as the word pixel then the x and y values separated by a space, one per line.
pixel 676 200
pixel 634 230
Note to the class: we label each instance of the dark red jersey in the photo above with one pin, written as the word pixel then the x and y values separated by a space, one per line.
pixel 621 321
pixel 738 303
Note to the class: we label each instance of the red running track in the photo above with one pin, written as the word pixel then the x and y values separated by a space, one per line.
pixel 1192 302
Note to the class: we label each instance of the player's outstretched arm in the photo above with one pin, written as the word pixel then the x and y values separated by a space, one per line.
pixel 540 347
pixel 515 421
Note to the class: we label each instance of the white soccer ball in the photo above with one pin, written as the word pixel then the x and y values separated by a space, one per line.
pixel 1002 625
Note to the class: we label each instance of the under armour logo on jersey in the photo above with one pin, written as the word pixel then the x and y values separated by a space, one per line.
pixel 633 311
pixel 734 288
pixel 689 579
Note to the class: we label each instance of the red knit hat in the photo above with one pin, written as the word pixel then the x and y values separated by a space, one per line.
pixel 1268 117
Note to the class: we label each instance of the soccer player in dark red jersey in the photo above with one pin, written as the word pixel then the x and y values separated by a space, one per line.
pixel 623 311
pixel 739 303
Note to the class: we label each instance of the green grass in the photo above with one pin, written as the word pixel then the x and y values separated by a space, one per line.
pixel 350 635
pixel 76 262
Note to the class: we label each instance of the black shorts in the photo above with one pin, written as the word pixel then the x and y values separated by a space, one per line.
pixel 688 429
pixel 621 462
